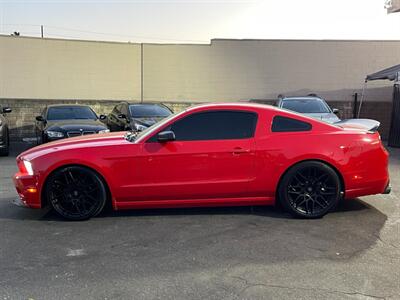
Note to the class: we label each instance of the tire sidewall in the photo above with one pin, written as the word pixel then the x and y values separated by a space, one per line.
pixel 282 190
pixel 96 176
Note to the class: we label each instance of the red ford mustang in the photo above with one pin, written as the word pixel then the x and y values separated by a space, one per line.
pixel 209 155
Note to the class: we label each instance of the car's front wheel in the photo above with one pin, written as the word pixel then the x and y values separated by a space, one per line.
pixel 310 189
pixel 76 192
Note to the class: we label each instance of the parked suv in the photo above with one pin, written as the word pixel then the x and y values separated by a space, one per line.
pixel 311 105
pixel 4 132
pixel 136 116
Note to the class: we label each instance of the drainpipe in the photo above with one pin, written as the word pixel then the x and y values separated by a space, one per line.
pixel 141 72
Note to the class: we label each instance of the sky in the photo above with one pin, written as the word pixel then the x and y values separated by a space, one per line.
pixel 199 21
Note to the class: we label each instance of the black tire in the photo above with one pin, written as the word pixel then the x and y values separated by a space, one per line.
pixel 310 190
pixel 6 150
pixel 76 192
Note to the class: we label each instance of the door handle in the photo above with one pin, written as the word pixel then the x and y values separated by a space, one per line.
pixel 239 150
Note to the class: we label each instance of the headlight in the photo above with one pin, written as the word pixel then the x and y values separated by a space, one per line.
pixel 104 131
pixel 139 127
pixel 54 134
pixel 28 167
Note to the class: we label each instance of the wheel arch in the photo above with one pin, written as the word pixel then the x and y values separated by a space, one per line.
pixel 334 168
pixel 43 200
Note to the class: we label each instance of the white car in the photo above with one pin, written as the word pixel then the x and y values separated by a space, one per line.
pixel 312 106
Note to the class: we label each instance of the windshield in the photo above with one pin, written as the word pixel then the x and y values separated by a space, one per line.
pixel 141 135
pixel 148 111
pixel 70 113
pixel 306 105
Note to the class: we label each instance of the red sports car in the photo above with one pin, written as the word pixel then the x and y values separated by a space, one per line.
pixel 227 154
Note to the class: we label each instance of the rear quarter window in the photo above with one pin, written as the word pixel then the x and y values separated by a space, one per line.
pixel 285 124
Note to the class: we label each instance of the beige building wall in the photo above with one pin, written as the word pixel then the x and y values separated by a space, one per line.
pixel 34 68
pixel 251 69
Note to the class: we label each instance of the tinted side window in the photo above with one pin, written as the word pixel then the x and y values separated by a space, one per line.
pixel 284 124
pixel 215 125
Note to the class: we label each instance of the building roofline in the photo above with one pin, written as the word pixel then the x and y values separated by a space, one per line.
pixel 95 41
pixel 302 40
pixel 215 40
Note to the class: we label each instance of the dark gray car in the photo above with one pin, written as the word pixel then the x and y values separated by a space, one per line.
pixel 136 116
pixel 312 106
pixel 4 132
pixel 68 120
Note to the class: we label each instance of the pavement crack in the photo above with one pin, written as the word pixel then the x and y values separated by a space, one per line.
pixel 249 285
pixel 385 243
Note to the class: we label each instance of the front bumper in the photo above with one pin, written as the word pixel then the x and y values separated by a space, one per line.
pixel 27 189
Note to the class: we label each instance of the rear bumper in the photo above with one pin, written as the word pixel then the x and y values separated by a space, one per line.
pixel 369 188
pixel 27 189
pixel 388 189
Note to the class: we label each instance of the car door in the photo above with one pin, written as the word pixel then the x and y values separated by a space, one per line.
pixel 125 122
pixel 114 120
pixel 39 126
pixel 211 157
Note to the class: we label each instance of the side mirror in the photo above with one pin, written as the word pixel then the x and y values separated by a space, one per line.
pixel 6 110
pixel 39 119
pixel 166 136
pixel 335 111
pixel 121 116
pixel 102 117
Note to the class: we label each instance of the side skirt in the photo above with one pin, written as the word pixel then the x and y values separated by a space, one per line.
pixel 212 202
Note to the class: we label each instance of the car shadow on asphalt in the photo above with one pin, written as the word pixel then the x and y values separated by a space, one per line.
pixel 267 234
pixel 12 212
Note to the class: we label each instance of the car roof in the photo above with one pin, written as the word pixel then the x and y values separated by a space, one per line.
pixel 301 98
pixel 141 103
pixel 67 105
pixel 252 105
pixel 228 105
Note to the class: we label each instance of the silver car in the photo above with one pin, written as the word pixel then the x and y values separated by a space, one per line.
pixel 312 106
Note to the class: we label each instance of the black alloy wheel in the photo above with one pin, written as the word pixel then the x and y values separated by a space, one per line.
pixel 76 193
pixel 310 189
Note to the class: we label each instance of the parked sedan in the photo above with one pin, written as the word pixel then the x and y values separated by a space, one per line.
pixel 312 106
pixel 209 155
pixel 4 132
pixel 62 121
pixel 136 117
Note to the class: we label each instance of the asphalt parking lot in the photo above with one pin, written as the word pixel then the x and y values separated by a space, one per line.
pixel 212 253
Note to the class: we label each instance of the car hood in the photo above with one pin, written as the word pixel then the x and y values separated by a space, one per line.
pixel 72 125
pixel 326 117
pixel 84 141
pixel 147 121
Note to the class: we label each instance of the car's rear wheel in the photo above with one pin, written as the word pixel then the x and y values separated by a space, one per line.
pixel 76 193
pixel 310 189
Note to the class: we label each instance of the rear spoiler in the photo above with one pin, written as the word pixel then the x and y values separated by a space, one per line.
pixel 366 124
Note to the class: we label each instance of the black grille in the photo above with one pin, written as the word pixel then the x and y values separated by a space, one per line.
pixel 79 133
